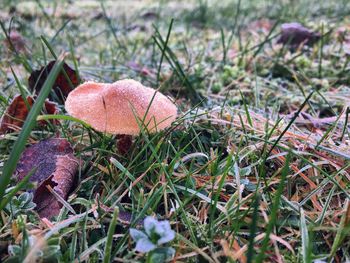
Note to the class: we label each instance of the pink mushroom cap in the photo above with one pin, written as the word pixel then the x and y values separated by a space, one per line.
pixel 121 107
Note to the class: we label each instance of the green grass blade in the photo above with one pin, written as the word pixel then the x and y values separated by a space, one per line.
pixel 164 48
pixel 274 210
pixel 62 117
pixel 325 207
pixel 343 231
pixel 111 27
pixel 291 121
pixel 305 241
pixel 325 135
pixel 60 30
pixel 246 109
pixel 108 247
pixel 21 89
pixel 253 229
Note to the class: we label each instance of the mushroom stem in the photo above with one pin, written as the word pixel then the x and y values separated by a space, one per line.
pixel 124 143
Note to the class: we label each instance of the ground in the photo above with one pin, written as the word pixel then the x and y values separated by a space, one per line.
pixel 254 169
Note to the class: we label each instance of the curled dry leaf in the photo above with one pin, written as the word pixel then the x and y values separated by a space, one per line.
pixel 56 167
pixel 150 15
pixel 136 27
pixel 17 112
pixel 307 120
pixel 62 85
pixel 295 34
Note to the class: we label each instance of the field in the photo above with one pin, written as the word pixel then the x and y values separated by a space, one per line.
pixel 255 168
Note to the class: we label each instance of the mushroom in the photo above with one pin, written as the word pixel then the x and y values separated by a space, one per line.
pixel 121 107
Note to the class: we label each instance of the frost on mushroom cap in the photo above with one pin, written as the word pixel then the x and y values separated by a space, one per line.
pixel 112 107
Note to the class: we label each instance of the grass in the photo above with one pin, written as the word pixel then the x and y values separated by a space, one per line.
pixel 241 175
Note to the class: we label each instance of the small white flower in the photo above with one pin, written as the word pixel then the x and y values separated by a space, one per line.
pixel 163 229
pixel 145 245
pixel 157 233
pixel 150 224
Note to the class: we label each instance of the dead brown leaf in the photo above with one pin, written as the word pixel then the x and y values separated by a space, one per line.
pixel 17 112
pixel 63 85
pixel 15 42
pixel 56 167
pixel 295 34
